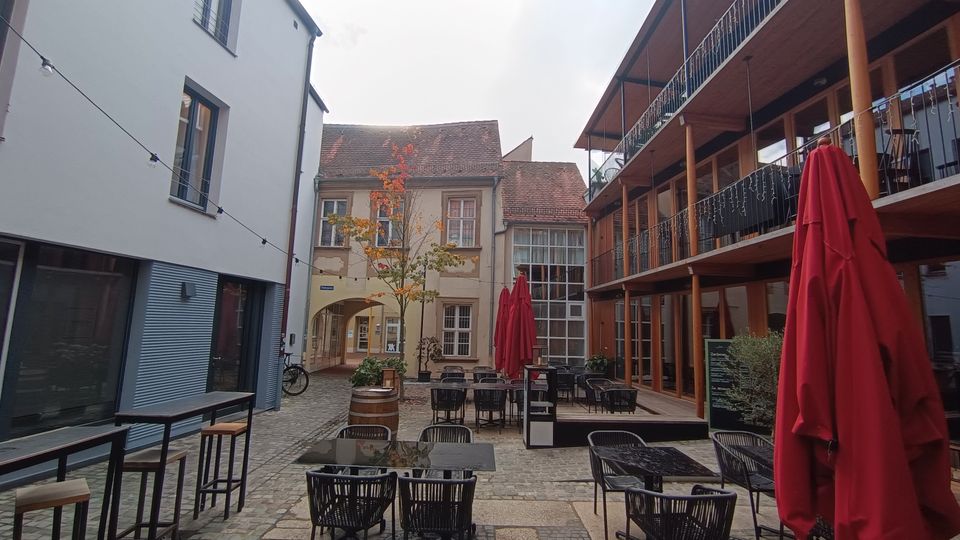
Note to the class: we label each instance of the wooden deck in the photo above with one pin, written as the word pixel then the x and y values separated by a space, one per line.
pixel 658 418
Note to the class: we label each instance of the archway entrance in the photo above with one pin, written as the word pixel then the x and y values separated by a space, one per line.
pixel 345 331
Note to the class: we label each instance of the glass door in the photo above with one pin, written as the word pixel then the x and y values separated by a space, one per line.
pixel 236 336
pixel 363 334
pixel 9 270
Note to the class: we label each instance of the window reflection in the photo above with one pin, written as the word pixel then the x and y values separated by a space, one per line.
pixel 941 304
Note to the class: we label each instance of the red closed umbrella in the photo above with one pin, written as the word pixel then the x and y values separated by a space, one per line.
pixel 861 438
pixel 500 330
pixel 521 331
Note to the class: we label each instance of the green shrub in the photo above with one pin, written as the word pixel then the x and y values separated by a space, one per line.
pixel 755 371
pixel 370 371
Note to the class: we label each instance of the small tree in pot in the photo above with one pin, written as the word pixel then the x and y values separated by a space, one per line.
pixel 428 350
pixel 597 363
pixel 755 371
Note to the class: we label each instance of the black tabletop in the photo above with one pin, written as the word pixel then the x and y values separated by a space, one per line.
pixel 183 408
pixel 652 460
pixel 761 454
pixel 19 453
pixel 401 454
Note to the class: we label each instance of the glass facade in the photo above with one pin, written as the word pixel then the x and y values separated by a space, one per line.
pixel 777 305
pixel 554 262
pixel 940 285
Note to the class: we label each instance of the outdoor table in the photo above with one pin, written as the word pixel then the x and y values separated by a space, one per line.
pixel 607 385
pixel 401 454
pixel 58 444
pixel 182 409
pixel 652 462
pixel 761 454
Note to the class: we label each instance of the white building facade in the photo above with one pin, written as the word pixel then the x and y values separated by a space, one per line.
pixel 123 284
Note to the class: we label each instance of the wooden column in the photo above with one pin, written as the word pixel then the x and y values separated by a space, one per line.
pixel 627 339
pixel 864 124
pixel 625 226
pixel 696 314
pixel 692 226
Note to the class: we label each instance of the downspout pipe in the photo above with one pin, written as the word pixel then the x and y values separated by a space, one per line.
pixel 292 234
pixel 313 236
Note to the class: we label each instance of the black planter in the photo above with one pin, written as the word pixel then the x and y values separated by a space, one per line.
pixel 423 376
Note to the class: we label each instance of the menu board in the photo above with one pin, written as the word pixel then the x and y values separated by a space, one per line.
pixel 720 413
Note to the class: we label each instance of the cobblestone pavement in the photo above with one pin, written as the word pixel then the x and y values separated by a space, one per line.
pixel 553 483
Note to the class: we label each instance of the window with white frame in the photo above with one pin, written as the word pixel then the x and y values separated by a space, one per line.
pixel 462 222
pixel 389 223
pixel 330 234
pixel 456 330
pixel 392 338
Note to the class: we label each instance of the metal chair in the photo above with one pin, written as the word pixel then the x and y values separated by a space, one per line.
pixel 619 400
pixel 593 395
pixel 365 431
pixel 482 373
pixel 705 514
pixel 565 384
pixel 490 402
pixel 493 380
pixel 606 477
pixel 741 469
pixel 351 503
pixel 55 495
pixel 450 402
pixel 433 506
pixel 445 434
pixel 453 376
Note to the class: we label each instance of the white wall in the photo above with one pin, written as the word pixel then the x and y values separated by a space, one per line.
pixel 68 176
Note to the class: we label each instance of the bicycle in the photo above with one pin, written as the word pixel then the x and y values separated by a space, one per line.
pixel 295 378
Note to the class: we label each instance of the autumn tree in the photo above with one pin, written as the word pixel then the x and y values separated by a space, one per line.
pixel 399 244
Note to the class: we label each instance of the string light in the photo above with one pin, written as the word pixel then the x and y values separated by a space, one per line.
pixel 46 68
pixel 154 159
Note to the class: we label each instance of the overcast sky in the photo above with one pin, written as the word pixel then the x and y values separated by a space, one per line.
pixel 537 66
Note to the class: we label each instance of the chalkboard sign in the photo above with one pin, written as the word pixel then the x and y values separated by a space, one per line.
pixel 720 414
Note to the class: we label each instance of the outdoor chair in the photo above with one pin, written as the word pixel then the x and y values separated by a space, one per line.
pixel 445 434
pixel 350 503
pixel 365 431
pixel 450 402
pixel 619 400
pixel 745 471
pixel 452 376
pixel 565 384
pixel 490 403
pixel 593 395
pixel 434 506
pixel 705 514
pixel 493 380
pixel 480 373
pixel 606 477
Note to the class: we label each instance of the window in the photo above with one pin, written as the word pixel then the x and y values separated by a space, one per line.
pixel 330 234
pixel 461 222
pixel 456 330
pixel 389 223
pixel 6 10
pixel 392 341
pixel 193 161
pixel 214 17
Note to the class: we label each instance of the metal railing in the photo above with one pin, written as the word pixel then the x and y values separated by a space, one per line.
pixel 918 142
pixel 731 30
pixel 214 17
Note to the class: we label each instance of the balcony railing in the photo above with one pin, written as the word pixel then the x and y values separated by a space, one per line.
pixel 732 29
pixel 918 142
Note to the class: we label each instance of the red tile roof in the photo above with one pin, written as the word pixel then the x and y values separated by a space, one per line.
pixel 461 149
pixel 542 192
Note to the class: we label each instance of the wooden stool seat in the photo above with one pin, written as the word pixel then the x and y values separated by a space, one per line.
pixel 149 460
pixel 51 495
pixel 231 429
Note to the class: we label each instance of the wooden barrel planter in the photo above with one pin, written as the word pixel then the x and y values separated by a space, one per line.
pixel 374 405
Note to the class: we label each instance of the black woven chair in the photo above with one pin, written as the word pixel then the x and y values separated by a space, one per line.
pixel 453 376
pixel 490 403
pixel 350 503
pixel 745 471
pixel 365 431
pixel 441 507
pixel 619 400
pixel 483 373
pixel 492 378
pixel 445 434
pixel 606 477
pixel 565 384
pixel 593 394
pixel 705 514
pixel 448 401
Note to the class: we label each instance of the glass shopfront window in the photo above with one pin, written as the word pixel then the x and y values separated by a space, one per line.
pixel 686 343
pixel 668 366
pixel 66 347
pixel 940 284
pixel 771 143
pixel 777 305
pixel 710 314
pixel 735 306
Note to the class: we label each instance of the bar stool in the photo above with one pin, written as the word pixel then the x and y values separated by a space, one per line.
pixel 55 495
pixel 207 485
pixel 146 462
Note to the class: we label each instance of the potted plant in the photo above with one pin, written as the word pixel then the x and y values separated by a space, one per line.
pixel 428 350
pixel 597 363
pixel 368 373
pixel 754 372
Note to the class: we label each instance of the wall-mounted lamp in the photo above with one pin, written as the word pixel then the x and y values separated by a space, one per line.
pixel 188 290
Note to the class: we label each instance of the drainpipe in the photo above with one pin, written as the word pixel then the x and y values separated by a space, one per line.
pixel 291 236
pixel 313 234
pixel 493 258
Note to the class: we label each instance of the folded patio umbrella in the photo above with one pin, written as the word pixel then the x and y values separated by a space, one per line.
pixel 861 438
pixel 521 331
pixel 500 330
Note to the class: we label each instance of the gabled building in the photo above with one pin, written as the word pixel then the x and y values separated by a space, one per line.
pixel 697 146
pixel 122 284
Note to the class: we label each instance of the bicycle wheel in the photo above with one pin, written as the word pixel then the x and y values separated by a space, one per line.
pixel 295 380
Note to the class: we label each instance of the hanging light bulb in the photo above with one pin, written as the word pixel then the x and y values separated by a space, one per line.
pixel 46 68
